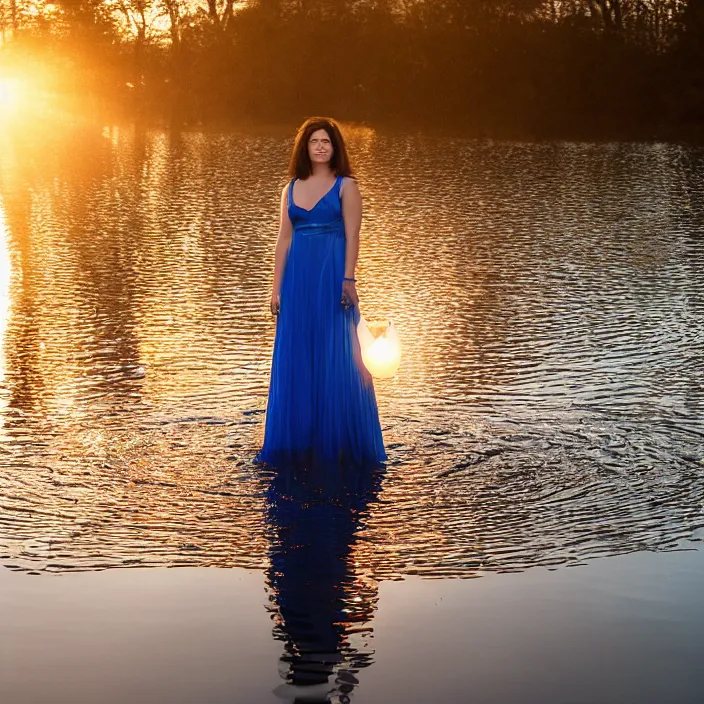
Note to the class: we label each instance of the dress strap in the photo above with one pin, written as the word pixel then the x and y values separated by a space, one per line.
pixel 290 192
pixel 338 185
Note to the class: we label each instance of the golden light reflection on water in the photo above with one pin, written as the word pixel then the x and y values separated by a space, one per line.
pixel 137 351
pixel 5 274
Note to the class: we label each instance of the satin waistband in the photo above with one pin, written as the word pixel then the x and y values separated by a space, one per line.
pixel 312 229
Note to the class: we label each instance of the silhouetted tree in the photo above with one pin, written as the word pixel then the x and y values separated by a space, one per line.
pixel 522 67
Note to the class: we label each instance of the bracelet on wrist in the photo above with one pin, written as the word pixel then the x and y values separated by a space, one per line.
pixel 347 278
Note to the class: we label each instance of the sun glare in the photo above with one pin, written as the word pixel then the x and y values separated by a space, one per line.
pixel 10 94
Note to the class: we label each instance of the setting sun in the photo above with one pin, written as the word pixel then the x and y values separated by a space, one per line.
pixel 10 94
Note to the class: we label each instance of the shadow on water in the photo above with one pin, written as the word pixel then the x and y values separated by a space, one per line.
pixel 321 600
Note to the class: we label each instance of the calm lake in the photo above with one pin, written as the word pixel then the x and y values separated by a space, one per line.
pixel 549 408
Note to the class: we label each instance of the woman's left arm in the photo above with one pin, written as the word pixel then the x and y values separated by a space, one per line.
pixel 352 216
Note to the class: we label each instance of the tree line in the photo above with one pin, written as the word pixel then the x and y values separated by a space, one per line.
pixel 489 67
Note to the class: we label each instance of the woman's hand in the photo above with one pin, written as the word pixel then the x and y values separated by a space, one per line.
pixel 275 305
pixel 350 299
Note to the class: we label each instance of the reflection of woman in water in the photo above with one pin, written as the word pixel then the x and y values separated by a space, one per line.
pixel 321 407
pixel 316 596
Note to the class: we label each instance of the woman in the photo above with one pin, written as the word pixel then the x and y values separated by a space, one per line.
pixel 322 409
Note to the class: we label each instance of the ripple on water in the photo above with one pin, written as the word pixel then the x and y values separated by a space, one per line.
pixel 549 406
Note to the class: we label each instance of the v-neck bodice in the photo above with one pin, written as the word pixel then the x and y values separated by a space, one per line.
pixel 323 217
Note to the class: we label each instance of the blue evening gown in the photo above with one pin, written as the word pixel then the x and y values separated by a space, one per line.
pixel 322 409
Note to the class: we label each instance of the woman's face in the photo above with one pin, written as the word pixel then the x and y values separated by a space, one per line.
pixel 320 147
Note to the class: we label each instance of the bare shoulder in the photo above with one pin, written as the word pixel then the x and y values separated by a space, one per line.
pixel 284 194
pixel 349 186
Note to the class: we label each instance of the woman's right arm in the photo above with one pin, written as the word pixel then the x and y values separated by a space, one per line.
pixel 283 243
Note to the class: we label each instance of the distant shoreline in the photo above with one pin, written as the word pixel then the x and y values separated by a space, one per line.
pixel 453 128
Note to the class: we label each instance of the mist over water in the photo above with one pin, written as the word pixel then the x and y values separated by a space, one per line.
pixel 549 298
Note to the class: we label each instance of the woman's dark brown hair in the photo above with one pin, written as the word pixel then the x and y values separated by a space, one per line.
pixel 300 165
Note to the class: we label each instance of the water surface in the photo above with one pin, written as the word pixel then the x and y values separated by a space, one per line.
pixel 622 630
pixel 550 299
pixel 548 410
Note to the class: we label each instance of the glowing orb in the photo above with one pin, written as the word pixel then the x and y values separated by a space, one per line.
pixel 381 348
